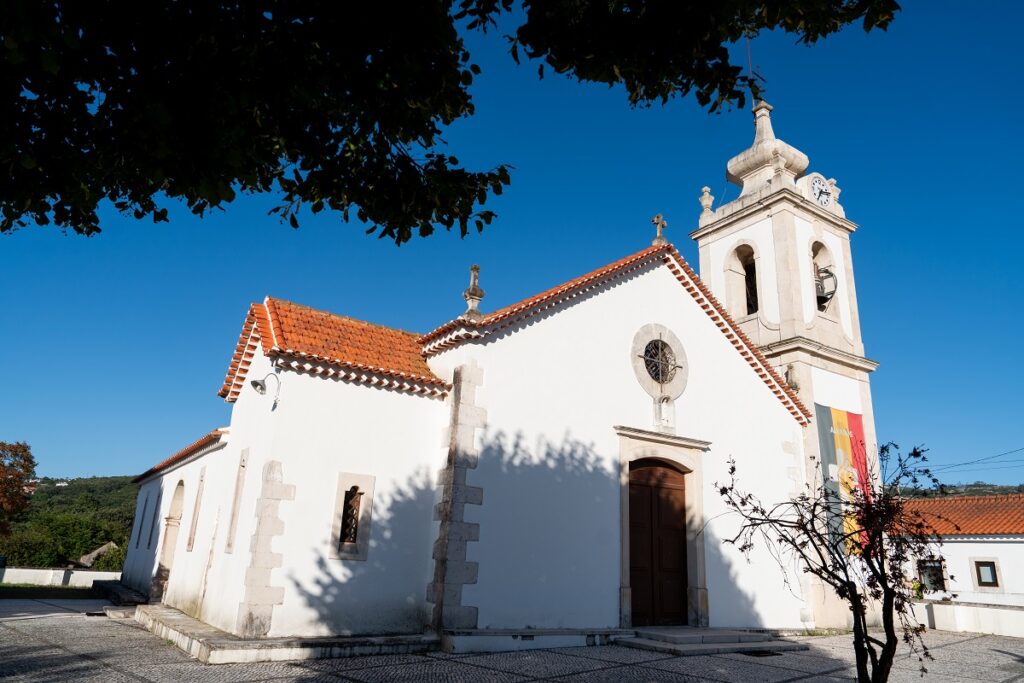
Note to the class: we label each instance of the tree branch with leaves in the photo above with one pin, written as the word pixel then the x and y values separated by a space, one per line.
pixel 327 105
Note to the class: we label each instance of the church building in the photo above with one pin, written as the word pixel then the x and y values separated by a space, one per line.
pixel 546 468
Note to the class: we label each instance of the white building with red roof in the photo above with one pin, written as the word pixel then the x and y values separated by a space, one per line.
pixel 972 582
pixel 545 469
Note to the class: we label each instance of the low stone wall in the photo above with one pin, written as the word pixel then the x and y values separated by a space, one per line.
pixel 971 617
pixel 78 578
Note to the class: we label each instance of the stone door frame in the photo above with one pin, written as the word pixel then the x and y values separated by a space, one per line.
pixel 683 454
pixel 169 543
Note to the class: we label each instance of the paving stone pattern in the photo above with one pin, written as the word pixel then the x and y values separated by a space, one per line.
pixel 47 642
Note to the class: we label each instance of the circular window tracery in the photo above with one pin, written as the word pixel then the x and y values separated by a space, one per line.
pixel 660 361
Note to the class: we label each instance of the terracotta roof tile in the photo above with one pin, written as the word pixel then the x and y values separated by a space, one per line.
pixel 299 334
pixel 972 515
pixel 209 439
pixel 459 330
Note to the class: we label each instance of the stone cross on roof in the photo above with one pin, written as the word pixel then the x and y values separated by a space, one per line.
pixel 659 224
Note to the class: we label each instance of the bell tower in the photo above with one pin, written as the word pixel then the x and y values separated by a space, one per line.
pixel 778 258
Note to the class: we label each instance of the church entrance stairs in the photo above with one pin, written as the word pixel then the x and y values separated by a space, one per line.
pixel 688 641
pixel 212 646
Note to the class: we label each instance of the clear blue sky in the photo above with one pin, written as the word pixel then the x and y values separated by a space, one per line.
pixel 116 344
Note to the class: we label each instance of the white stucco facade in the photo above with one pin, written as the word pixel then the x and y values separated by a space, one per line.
pixel 318 430
pixel 479 478
pixel 549 462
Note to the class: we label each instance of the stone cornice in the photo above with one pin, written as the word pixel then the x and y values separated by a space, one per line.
pixel 662 438
pixel 819 350
pixel 778 196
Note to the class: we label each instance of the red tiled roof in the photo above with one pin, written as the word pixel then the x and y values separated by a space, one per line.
pixel 316 341
pixel 457 331
pixel 546 295
pixel 199 444
pixel 972 515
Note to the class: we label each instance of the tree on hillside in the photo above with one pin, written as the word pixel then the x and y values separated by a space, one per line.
pixel 861 541
pixel 330 105
pixel 17 467
pixel 63 523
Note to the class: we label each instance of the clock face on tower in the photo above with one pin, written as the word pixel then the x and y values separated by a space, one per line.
pixel 821 192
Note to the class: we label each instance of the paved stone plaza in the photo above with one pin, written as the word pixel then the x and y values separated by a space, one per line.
pixel 54 640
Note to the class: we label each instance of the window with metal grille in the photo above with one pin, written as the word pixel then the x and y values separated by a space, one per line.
pixel 350 516
pixel 986 573
pixel 931 575
pixel 660 361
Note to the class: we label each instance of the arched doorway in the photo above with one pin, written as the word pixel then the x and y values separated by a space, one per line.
pixel 657 543
pixel 171 525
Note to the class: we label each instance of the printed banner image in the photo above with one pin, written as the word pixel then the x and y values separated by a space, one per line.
pixel 844 461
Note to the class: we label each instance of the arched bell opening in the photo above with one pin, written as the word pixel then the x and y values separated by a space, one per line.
pixel 741 282
pixel 824 276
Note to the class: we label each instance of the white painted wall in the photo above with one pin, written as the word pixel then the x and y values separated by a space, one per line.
pixel 1000 620
pixel 959 554
pixel 836 391
pixel 549 548
pixel 320 427
pixel 140 562
pixel 323 428
pixel 77 578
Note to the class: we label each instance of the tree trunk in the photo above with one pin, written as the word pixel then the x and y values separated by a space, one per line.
pixel 892 641
pixel 860 643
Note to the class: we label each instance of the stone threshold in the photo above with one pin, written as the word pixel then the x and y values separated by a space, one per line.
pixel 211 645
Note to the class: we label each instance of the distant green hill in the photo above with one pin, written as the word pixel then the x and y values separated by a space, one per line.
pixel 68 518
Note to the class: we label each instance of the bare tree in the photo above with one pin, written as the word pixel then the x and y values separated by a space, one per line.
pixel 860 539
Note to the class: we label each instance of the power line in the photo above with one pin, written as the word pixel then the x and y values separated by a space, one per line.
pixel 972 462
pixel 988 469
pixel 1001 462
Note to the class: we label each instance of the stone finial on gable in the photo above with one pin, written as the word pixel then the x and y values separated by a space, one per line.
pixel 659 224
pixel 473 295
pixel 706 200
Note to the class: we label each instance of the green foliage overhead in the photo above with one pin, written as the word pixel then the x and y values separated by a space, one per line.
pixel 329 105
pixel 62 523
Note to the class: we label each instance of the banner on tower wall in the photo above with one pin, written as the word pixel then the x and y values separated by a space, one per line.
pixel 844 458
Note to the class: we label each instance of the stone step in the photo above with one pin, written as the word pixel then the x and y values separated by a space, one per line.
pixel 210 645
pixel 691 636
pixel 694 649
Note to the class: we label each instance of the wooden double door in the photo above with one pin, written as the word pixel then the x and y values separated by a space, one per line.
pixel 657 544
